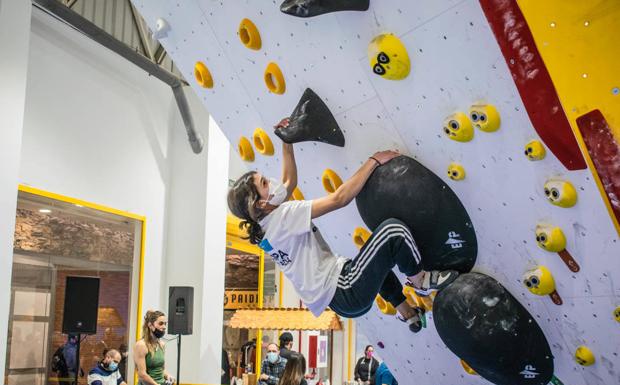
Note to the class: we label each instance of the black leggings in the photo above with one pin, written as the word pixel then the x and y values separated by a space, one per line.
pixel 370 272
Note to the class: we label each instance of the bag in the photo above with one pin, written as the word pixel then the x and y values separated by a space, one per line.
pixel 58 361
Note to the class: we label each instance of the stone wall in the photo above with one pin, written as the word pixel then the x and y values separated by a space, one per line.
pixel 241 271
pixel 55 235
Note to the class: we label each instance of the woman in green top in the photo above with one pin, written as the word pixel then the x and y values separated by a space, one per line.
pixel 150 351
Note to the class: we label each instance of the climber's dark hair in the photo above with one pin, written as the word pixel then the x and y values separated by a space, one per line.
pixel 242 198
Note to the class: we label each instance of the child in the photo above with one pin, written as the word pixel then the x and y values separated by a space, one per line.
pixel 283 229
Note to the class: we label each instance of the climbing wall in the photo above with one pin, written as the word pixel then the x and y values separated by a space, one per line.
pixel 456 61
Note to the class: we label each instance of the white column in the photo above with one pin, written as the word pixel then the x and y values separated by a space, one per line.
pixel 212 294
pixel 14 40
pixel 185 234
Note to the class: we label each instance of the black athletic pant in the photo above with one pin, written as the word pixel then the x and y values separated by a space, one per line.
pixel 370 272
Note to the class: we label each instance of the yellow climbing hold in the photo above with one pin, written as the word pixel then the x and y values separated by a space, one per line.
pixel 384 306
pixel 584 356
pixel 331 181
pixel 262 142
pixel 360 236
pixel 274 79
pixel 456 171
pixel 203 75
pixel 539 281
pixel 468 368
pixel 388 57
pixel 249 35
pixel 561 193
pixel 458 127
pixel 245 149
pixel 550 238
pixel 297 195
pixel 535 150
pixel 485 117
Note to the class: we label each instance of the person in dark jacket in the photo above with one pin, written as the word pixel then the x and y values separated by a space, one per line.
pixel 383 376
pixel 225 368
pixel 366 367
pixel 286 344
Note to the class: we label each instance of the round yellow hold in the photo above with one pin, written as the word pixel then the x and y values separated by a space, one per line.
pixel 456 171
pixel 274 79
pixel 331 181
pixel 384 306
pixel 458 127
pixel 561 193
pixel 388 57
pixel 262 142
pixel 584 356
pixel 550 238
pixel 203 75
pixel 468 368
pixel 297 195
pixel 249 35
pixel 535 150
pixel 485 117
pixel 245 149
pixel 539 281
pixel 360 236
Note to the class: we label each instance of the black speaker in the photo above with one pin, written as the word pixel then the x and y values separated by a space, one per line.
pixel 180 310
pixel 81 305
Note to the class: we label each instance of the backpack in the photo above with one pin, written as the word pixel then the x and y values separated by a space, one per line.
pixel 59 364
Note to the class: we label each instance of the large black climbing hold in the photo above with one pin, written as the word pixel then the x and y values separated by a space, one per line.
pixel 309 8
pixel 441 228
pixel 311 121
pixel 483 324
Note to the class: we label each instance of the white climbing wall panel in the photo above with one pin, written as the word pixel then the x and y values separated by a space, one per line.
pixel 455 63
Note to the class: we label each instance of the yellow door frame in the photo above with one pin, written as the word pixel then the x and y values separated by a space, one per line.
pixel 235 241
pixel 106 209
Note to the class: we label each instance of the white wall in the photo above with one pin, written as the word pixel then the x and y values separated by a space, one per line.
pixel 14 37
pixel 100 129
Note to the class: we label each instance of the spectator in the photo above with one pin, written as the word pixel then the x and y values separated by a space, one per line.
pixel 64 361
pixel 383 376
pixel 225 369
pixel 294 371
pixel 106 372
pixel 149 353
pixel 122 366
pixel 366 367
pixel 286 344
pixel 272 366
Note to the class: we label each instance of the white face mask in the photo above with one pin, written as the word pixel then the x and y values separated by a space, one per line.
pixel 277 192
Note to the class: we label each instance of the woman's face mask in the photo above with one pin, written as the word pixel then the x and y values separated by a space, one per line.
pixel 277 192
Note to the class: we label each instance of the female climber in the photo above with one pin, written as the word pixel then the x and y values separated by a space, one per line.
pixel 283 229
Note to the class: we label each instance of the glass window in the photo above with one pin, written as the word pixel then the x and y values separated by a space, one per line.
pixel 56 239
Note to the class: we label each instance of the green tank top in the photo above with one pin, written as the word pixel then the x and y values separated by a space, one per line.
pixel 155 365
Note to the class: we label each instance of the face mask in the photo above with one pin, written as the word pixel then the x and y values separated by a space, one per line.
pixel 112 366
pixel 272 357
pixel 158 333
pixel 277 192
pixel 369 354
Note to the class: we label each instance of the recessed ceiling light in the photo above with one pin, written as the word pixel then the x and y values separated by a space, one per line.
pixel 45 211
pixel 77 205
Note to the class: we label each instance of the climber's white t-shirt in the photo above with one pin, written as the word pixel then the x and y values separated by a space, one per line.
pixel 302 254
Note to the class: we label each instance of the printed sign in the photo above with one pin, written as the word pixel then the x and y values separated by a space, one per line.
pixel 240 299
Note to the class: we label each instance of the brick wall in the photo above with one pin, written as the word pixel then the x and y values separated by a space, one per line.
pixel 114 292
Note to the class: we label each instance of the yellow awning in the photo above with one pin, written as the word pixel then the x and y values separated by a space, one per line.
pixel 284 319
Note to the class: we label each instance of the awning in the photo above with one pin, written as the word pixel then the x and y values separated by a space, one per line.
pixel 284 319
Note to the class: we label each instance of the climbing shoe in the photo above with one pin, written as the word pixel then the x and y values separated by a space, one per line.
pixel 435 280
pixel 417 322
